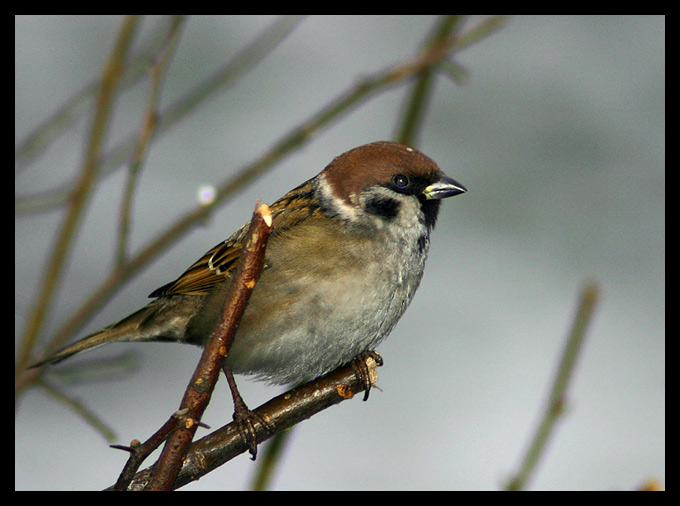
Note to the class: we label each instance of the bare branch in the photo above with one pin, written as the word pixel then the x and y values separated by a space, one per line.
pixel 283 412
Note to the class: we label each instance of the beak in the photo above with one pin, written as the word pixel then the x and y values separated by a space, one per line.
pixel 444 188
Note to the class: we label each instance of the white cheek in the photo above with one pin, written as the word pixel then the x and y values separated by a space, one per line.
pixel 339 205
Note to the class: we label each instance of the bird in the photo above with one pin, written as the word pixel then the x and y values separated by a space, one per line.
pixel 344 259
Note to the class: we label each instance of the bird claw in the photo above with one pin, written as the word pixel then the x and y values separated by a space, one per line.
pixel 244 418
pixel 245 421
pixel 362 371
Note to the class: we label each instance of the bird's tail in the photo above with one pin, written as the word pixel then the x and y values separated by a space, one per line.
pixel 143 325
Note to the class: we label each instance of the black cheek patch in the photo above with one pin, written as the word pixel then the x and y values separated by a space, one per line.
pixel 383 207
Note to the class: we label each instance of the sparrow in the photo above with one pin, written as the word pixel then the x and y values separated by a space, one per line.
pixel 343 262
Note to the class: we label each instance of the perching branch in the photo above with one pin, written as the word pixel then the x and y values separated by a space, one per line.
pixel 283 412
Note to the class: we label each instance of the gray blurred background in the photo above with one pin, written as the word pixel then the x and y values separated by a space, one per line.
pixel 558 132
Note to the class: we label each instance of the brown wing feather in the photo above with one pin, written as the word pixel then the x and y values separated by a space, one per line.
pixel 212 267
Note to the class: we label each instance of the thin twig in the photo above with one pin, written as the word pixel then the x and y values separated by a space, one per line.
pixel 140 451
pixel 554 409
pixel 421 89
pixel 91 418
pixel 149 124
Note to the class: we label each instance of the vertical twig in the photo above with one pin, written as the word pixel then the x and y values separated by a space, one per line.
pixel 205 377
pixel 149 124
pixel 555 406
pixel 416 106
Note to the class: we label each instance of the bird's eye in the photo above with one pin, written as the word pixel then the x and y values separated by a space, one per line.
pixel 400 181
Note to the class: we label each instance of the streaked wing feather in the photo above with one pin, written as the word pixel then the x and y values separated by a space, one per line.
pixel 206 272
pixel 210 269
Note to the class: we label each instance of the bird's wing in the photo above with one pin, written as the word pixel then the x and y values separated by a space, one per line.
pixel 212 268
